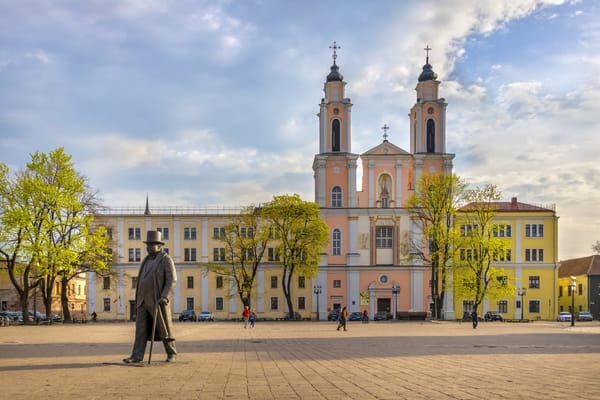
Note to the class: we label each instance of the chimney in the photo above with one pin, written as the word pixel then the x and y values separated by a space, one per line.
pixel 513 202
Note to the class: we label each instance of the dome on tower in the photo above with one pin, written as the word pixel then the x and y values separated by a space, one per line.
pixel 335 75
pixel 427 74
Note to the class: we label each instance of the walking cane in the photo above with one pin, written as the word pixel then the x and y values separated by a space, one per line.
pixel 153 331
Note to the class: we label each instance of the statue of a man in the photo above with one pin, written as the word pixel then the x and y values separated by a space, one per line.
pixel 155 284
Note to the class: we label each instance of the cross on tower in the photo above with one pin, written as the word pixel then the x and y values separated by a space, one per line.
pixel 334 47
pixel 427 48
pixel 385 129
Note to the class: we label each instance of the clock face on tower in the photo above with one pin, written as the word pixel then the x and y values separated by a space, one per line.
pixel 430 110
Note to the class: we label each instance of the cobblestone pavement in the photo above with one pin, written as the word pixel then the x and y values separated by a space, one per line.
pixel 307 360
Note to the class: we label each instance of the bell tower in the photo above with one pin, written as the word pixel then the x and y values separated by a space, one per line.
pixel 428 124
pixel 335 166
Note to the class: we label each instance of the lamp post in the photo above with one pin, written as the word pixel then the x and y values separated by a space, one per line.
pixel 395 291
pixel 521 292
pixel 317 291
pixel 573 287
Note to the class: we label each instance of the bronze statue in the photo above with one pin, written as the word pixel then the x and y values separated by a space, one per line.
pixel 155 284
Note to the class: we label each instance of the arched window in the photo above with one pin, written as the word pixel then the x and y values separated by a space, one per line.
pixel 336 242
pixel 336 197
pixel 430 136
pixel 335 135
pixel 385 185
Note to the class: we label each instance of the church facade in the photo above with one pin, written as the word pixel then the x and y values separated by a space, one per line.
pixel 369 263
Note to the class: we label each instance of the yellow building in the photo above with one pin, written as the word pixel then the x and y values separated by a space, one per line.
pixel 530 265
pixel 192 239
pixel 586 296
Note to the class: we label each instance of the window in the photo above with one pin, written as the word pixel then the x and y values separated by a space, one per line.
pixel 189 254
pixel 219 282
pixel 273 233
pixel 337 283
pixel 336 242
pixel 135 234
pixel 534 282
pixel 430 136
pixel 580 289
pixel 570 290
pixel 106 304
pixel 467 254
pixel 336 197
pixel 468 306
pixel 274 303
pixel 335 135
pixel 106 283
pixel 247 233
pixel 503 255
pixel 164 232
pixel 135 254
pixel 534 254
pixel 190 284
pixel 134 281
pixel 534 306
pixel 560 291
pixel 302 303
pixel 502 280
pixel 468 230
pixel 503 306
pixel 219 254
pixel 219 233
pixel 189 303
pixel 249 254
pixel 273 254
pixel 189 233
pixel 383 237
pixel 109 233
pixel 502 230
pixel 219 304
pixel 534 230
pixel 301 282
pixel 273 282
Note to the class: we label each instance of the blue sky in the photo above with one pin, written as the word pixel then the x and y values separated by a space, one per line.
pixel 204 103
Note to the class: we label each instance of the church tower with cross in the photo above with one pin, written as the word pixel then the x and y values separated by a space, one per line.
pixel 369 262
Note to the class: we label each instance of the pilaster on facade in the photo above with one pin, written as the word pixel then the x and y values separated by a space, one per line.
pixel 204 303
pixel 177 292
pixel 120 240
pixel 416 290
pixel 205 235
pixel 398 172
pixel 176 254
pixel 120 291
pixel 371 177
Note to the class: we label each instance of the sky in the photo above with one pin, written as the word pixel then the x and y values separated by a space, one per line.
pixel 213 103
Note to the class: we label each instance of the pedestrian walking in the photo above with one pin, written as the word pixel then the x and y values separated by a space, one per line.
pixel 246 316
pixel 343 316
pixel 474 318
pixel 252 318
pixel 365 317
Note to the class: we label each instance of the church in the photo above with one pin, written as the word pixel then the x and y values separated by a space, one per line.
pixel 369 263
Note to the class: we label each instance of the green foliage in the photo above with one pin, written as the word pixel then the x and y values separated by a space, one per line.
pixel 477 250
pixel 302 234
pixel 246 239
pixel 45 223
pixel 435 202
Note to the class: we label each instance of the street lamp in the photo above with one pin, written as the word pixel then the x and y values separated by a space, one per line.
pixel 395 291
pixel 317 291
pixel 573 287
pixel 521 292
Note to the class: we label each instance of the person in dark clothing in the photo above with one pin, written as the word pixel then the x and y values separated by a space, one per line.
pixel 343 317
pixel 474 318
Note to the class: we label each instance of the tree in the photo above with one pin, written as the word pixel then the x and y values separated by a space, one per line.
pixel 302 235
pixel 596 247
pixel 246 239
pixel 435 202
pixel 479 248
pixel 46 218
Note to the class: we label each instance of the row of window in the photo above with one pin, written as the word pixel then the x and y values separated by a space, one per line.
pixel 570 290
pixel 504 230
pixel 189 233
pixel 531 255
pixel 534 306
pixel 219 282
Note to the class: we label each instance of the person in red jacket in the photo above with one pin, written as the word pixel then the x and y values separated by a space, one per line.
pixel 246 316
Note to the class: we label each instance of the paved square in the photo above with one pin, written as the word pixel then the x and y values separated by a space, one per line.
pixel 307 360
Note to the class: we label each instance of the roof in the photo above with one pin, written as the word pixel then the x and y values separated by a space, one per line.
pixel 385 148
pixel 511 206
pixel 580 266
